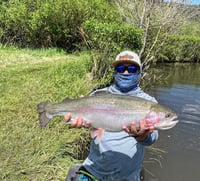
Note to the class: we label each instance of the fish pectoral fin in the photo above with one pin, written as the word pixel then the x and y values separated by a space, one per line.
pixel 97 134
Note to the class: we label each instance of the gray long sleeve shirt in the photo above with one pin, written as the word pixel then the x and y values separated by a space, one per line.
pixel 118 156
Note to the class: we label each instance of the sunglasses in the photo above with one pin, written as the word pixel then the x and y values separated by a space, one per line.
pixel 130 68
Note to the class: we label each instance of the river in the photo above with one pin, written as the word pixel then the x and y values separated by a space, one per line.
pixel 176 155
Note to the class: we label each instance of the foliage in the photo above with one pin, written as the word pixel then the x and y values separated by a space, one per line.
pixel 28 77
pixel 190 28
pixel 107 38
pixel 116 36
pixel 181 49
pixel 12 17
pixel 49 23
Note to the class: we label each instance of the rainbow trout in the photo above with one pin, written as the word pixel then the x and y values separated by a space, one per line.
pixel 110 112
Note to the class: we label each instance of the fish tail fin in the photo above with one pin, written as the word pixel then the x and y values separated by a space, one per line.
pixel 97 134
pixel 44 120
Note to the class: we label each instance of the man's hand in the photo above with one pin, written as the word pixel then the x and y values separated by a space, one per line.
pixel 77 122
pixel 140 134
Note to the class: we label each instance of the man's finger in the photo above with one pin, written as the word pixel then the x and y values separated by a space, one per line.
pixel 125 128
pixel 87 124
pixel 151 128
pixel 133 128
pixel 67 116
pixel 142 125
pixel 79 122
pixel 74 122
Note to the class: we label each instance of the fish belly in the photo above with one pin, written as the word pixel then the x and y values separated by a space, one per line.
pixel 114 122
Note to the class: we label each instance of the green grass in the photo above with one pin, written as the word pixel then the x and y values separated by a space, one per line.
pixel 28 77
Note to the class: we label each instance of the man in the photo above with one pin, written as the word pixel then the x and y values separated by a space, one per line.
pixel 119 155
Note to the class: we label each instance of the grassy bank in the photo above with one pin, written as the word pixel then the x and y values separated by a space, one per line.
pixel 28 77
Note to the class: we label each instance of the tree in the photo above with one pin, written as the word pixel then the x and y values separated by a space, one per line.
pixel 157 19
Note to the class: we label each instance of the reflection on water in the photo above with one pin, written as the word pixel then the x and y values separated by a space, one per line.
pixel 179 90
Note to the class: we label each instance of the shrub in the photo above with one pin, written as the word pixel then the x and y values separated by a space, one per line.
pixel 50 23
pixel 13 20
pixel 180 49
pixel 115 35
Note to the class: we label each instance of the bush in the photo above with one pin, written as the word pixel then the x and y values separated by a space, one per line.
pixel 180 49
pixel 115 36
pixel 50 23
pixel 13 21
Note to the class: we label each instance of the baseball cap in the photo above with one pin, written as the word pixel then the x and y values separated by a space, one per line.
pixel 127 57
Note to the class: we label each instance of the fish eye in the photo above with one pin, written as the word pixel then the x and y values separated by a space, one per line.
pixel 168 115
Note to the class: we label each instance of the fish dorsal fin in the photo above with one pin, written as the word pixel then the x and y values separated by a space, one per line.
pixel 66 99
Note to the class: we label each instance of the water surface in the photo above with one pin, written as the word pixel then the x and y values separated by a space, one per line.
pixel 178 156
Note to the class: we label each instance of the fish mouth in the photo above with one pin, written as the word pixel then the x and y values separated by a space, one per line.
pixel 174 118
pixel 168 123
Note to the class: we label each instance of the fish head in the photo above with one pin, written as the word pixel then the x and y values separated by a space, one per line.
pixel 161 118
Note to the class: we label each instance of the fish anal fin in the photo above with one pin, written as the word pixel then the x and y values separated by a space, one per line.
pixel 97 134
pixel 66 99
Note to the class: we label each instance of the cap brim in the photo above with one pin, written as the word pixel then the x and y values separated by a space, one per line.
pixel 118 62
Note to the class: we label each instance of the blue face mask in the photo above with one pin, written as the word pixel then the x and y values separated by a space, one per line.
pixel 126 82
